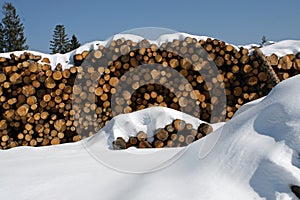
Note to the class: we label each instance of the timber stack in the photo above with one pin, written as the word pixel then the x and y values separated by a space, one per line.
pixel 179 133
pixel 40 106
pixel 285 66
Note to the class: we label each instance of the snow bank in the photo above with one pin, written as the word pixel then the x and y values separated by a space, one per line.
pixel 282 48
pixel 253 156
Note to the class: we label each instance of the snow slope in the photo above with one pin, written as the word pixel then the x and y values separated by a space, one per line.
pixel 253 156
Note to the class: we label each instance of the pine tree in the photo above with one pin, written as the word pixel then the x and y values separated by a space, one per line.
pixel 13 30
pixel 60 41
pixel 263 40
pixel 2 45
pixel 74 43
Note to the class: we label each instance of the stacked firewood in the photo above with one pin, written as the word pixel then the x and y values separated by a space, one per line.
pixel 40 106
pixel 239 76
pixel 285 66
pixel 176 134
pixel 35 103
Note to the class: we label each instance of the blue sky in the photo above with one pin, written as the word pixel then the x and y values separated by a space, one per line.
pixel 237 22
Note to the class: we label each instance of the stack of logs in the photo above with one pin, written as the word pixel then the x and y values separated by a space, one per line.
pixel 177 134
pixel 286 66
pixel 35 103
pixel 40 106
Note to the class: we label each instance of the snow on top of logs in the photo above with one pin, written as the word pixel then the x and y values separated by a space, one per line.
pixel 279 48
pixel 282 48
pixel 67 59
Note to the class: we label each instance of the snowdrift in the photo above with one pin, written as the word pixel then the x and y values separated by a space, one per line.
pixel 253 156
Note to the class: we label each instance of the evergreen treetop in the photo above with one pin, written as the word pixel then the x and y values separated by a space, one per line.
pixel 60 41
pixel 74 43
pixel 2 44
pixel 13 30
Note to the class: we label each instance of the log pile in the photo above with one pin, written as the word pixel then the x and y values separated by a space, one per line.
pixel 40 106
pixel 176 134
pixel 285 66
pixel 35 103
pixel 243 78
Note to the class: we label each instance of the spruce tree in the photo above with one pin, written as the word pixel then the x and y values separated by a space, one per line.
pixel 1 39
pixel 74 43
pixel 13 30
pixel 60 41
pixel 263 40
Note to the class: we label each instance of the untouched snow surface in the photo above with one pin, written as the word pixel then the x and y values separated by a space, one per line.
pixel 253 156
pixel 282 48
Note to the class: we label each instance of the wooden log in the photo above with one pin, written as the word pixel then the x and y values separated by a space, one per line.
pixel 273 59
pixel 144 144
pixel 229 48
pixel 50 83
pixel 142 136
pixel 60 125
pixel 133 141
pixel 181 139
pixel 205 129
pixel 189 139
pixel 55 141
pixel 253 80
pixel 266 66
pixel 23 110
pixel 219 61
pixel 15 78
pixel 4 138
pixel 28 90
pixel 179 125
pixel 158 144
pixel 57 75
pixel 2 77
pixel 170 143
pixel 285 63
pixel 3 124
pixel 161 134
pixel 169 128
pixel 283 75
pixel 296 64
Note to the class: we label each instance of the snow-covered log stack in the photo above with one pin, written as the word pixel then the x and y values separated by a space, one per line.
pixel 179 133
pixel 285 66
pixel 36 101
pixel 243 77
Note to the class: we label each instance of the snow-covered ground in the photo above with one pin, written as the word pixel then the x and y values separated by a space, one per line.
pixel 253 156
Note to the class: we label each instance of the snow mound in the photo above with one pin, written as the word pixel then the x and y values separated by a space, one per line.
pixel 282 48
pixel 146 120
pixel 253 156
